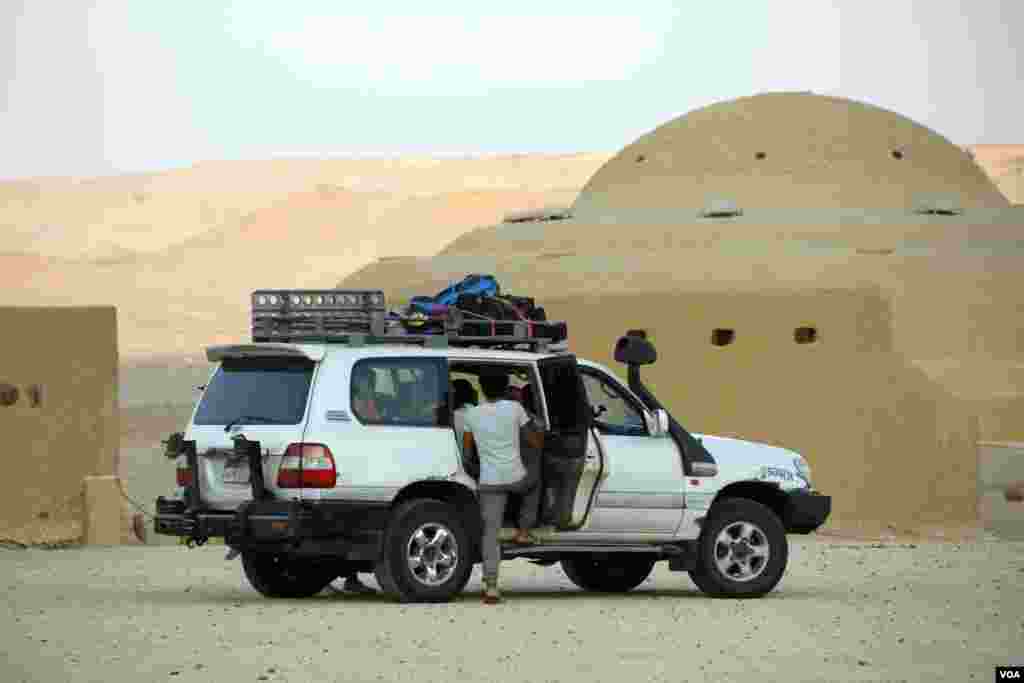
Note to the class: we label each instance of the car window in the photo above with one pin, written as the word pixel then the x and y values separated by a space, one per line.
pixel 408 392
pixel 614 413
pixel 384 384
pixel 260 390
pixel 519 380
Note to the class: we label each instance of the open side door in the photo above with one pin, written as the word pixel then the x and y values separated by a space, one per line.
pixel 573 462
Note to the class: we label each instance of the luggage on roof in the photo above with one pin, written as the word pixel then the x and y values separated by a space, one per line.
pixel 361 316
pixel 471 284
pixel 476 306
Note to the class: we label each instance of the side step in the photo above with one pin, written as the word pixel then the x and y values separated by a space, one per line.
pixel 681 557
pixel 512 550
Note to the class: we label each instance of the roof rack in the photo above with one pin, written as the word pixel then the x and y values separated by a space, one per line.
pixel 358 317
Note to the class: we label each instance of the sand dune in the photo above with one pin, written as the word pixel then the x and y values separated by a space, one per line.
pixel 179 253
pixel 1005 164
pixel 106 219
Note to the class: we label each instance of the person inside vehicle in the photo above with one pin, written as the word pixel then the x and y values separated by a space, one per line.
pixel 494 429
pixel 526 398
pixel 364 399
pixel 530 504
pixel 419 398
pixel 464 398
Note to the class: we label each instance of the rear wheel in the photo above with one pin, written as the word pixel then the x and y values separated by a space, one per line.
pixel 615 573
pixel 427 553
pixel 283 576
pixel 742 552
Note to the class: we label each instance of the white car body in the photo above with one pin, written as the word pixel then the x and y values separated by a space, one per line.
pixel 643 498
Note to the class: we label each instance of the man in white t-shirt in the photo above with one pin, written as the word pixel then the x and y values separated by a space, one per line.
pixel 493 429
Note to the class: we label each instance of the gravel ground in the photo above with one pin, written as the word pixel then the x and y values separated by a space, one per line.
pixel 844 612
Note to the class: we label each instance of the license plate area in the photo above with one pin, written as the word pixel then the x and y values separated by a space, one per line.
pixel 236 471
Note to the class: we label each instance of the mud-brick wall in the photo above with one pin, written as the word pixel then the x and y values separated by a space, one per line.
pixel 894 448
pixel 58 416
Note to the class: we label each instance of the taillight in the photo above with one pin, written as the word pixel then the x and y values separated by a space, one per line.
pixel 317 467
pixel 184 475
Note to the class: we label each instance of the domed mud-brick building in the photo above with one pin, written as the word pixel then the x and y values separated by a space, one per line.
pixel 816 273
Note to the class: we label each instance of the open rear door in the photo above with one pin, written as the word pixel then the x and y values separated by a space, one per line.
pixel 574 464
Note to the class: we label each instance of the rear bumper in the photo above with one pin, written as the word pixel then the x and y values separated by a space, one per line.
pixel 346 529
pixel 805 511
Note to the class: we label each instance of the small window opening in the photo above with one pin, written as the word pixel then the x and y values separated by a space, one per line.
pixel 939 212
pixel 938 206
pixel 721 208
pixel 897 154
pixel 722 337
pixel 760 155
pixel 805 335
pixel 8 395
pixel 640 158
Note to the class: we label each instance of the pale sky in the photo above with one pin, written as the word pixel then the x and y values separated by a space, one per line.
pixel 93 87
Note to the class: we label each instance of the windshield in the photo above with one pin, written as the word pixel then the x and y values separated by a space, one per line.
pixel 272 389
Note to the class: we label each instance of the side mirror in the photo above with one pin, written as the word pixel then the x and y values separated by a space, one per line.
pixel 660 426
pixel 635 350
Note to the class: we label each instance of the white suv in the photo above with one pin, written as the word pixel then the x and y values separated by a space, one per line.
pixel 315 459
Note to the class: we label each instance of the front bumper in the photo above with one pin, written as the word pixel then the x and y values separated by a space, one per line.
pixel 805 511
pixel 343 528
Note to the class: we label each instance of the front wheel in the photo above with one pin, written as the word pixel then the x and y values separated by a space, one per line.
pixel 615 573
pixel 283 576
pixel 742 551
pixel 427 554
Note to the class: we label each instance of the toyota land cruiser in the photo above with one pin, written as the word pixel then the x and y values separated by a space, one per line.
pixel 326 445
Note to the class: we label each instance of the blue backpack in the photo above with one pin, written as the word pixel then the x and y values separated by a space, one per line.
pixel 478 284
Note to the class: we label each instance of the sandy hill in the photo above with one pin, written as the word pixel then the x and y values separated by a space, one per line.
pixel 178 251
pixel 1005 164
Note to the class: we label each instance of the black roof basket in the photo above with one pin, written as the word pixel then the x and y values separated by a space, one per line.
pixel 358 317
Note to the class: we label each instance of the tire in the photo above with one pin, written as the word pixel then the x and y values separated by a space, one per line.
pixel 413 533
pixel 747 570
pixel 614 573
pixel 283 576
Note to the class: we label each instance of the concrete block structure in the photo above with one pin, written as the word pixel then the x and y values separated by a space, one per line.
pixel 59 426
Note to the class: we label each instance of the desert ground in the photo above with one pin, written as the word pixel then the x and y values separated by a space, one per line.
pixel 843 612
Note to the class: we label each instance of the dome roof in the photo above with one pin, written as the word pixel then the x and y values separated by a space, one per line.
pixel 788 150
